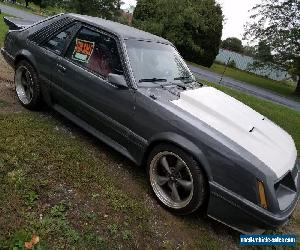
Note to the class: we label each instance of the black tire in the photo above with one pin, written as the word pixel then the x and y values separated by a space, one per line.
pixel 195 199
pixel 24 70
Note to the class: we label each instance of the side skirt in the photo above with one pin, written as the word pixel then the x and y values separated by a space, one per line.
pixel 122 150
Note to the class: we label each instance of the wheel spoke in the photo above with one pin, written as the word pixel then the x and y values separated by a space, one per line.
pixel 179 165
pixel 175 195
pixel 30 95
pixel 31 91
pixel 162 180
pixel 27 76
pixel 171 179
pixel 27 93
pixel 24 82
pixel 165 164
pixel 187 185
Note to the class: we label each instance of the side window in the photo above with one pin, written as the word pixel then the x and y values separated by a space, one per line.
pixel 96 52
pixel 58 42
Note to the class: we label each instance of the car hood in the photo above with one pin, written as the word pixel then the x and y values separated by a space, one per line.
pixel 241 124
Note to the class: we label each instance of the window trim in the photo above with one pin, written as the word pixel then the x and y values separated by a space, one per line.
pixel 119 47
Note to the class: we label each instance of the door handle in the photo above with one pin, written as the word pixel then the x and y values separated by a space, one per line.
pixel 61 68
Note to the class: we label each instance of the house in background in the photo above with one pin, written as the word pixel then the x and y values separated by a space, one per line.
pixel 244 62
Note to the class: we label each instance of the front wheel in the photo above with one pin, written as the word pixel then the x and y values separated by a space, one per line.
pixel 176 179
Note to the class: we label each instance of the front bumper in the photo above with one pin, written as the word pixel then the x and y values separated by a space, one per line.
pixel 8 58
pixel 243 215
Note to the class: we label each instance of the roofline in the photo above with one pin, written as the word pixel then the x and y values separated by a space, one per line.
pixel 147 40
pixel 121 36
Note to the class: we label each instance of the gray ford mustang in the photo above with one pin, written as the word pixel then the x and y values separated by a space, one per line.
pixel 132 90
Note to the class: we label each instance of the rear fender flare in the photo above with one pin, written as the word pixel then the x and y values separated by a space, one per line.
pixel 45 88
pixel 26 55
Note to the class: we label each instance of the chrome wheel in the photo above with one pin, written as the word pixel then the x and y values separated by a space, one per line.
pixel 24 85
pixel 171 180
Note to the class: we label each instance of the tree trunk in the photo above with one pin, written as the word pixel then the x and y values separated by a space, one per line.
pixel 298 86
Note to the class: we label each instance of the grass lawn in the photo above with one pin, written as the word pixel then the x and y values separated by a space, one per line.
pixel 75 193
pixel 3 29
pixel 281 87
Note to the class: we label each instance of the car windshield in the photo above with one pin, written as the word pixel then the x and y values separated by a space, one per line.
pixel 157 63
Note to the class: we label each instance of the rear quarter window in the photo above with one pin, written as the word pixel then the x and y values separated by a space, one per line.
pixel 39 32
pixel 58 42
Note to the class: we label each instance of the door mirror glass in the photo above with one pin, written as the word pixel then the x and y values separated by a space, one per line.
pixel 117 80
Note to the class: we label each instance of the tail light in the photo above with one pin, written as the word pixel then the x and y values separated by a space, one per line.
pixel 5 38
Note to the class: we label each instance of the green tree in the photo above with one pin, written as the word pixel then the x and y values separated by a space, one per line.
pixel 277 24
pixel 249 51
pixel 109 9
pixel 264 52
pixel 194 26
pixel 84 8
pixel 233 44
pixel 41 3
pixel 263 57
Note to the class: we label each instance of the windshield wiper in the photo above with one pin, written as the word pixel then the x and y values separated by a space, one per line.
pixel 183 78
pixel 153 80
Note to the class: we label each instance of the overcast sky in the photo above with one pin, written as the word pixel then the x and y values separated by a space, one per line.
pixel 128 2
pixel 236 15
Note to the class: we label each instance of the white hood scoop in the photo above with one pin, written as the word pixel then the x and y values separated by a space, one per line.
pixel 243 125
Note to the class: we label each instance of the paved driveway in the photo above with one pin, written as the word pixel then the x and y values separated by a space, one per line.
pixel 19 13
pixel 244 87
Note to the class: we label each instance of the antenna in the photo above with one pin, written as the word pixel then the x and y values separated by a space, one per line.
pixel 226 65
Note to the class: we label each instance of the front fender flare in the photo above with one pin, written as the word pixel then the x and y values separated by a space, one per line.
pixel 186 145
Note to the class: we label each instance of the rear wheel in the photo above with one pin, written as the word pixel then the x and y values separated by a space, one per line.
pixel 27 85
pixel 176 179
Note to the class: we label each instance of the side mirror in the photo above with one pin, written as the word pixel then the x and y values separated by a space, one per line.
pixel 117 80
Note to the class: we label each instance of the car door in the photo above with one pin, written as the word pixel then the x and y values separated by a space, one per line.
pixel 83 88
pixel 49 50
